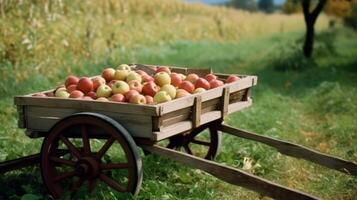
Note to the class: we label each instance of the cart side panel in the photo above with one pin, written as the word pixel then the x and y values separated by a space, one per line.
pixel 42 119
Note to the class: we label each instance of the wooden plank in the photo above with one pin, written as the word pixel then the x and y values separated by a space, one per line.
pixel 298 151
pixel 88 105
pixel 231 175
pixel 212 93
pixel 171 130
pixel 210 116
pixel 225 102
pixel 21 121
pixel 176 104
pixel 43 118
pixel 196 112
pixel 243 83
pixel 234 107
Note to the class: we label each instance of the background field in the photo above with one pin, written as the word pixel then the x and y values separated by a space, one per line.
pixel 311 102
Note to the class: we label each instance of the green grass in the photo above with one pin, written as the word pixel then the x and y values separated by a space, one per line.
pixel 310 102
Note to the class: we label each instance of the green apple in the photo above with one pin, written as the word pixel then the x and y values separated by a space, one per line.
pixel 133 76
pixel 199 90
pixel 104 91
pixel 121 74
pixel 170 89
pixel 120 87
pixel 162 78
pixel 124 67
pixel 62 94
pixel 162 96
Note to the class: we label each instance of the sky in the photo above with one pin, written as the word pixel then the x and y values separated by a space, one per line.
pixel 222 1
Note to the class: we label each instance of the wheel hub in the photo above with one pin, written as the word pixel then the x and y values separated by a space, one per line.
pixel 88 167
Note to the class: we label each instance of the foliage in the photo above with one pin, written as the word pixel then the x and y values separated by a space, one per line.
pixel 250 5
pixel 351 20
pixel 266 5
pixel 338 8
pixel 291 6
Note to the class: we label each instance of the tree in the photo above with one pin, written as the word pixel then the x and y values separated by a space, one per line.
pixel 310 16
pixel 291 6
pixel 338 8
pixel 250 5
pixel 266 5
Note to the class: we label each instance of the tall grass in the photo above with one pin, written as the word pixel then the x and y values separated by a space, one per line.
pixel 50 38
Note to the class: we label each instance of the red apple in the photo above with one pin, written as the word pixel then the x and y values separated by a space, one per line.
pixel 149 99
pixel 120 87
pixel 130 93
pixel 71 80
pixel 163 69
pixel 39 95
pixel 118 98
pixel 192 78
pixel 97 81
pixel 216 83
pixel 141 72
pixel 176 79
pixel 85 85
pixel 187 85
pixel 135 85
pixel 76 94
pixel 87 98
pixel 104 91
pixel 71 88
pixel 232 78
pixel 92 94
pixel 202 83
pixel 108 74
pixel 150 88
pixel 162 78
pixel 138 99
pixel 147 78
pixel 181 93
pixel 210 77
pixel 111 83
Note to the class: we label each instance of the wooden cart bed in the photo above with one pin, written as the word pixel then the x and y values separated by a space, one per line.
pixel 155 122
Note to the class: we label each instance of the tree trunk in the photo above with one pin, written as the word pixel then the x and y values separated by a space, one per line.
pixel 309 40
pixel 310 19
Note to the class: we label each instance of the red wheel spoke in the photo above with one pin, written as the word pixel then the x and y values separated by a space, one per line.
pixel 195 141
pixel 91 184
pixel 110 166
pixel 64 176
pixel 105 147
pixel 71 147
pixel 187 149
pixel 112 183
pixel 85 138
pixel 62 161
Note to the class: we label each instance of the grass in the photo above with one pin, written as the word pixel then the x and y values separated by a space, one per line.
pixel 310 102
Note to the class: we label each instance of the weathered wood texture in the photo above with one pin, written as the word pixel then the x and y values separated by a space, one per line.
pixel 157 122
pixel 231 175
pixel 295 150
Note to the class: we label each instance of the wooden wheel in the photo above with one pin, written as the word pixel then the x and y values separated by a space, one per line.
pixel 101 153
pixel 203 141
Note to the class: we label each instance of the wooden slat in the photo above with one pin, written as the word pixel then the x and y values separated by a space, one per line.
pixel 21 121
pixel 243 83
pixel 210 116
pixel 231 175
pixel 43 118
pixel 176 104
pixel 87 105
pixel 234 107
pixel 298 151
pixel 225 102
pixel 196 112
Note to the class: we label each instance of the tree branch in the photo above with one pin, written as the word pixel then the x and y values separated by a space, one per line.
pixel 305 7
pixel 318 9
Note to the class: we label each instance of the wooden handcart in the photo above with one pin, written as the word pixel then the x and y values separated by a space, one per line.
pixel 80 136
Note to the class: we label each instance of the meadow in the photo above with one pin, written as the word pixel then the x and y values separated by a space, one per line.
pixel 310 102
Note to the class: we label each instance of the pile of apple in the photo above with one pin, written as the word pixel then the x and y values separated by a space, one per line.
pixel 125 84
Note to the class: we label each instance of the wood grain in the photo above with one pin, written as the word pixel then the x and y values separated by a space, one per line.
pixel 231 175
pixel 297 151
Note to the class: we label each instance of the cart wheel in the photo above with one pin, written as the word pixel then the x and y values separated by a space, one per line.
pixel 198 142
pixel 101 154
